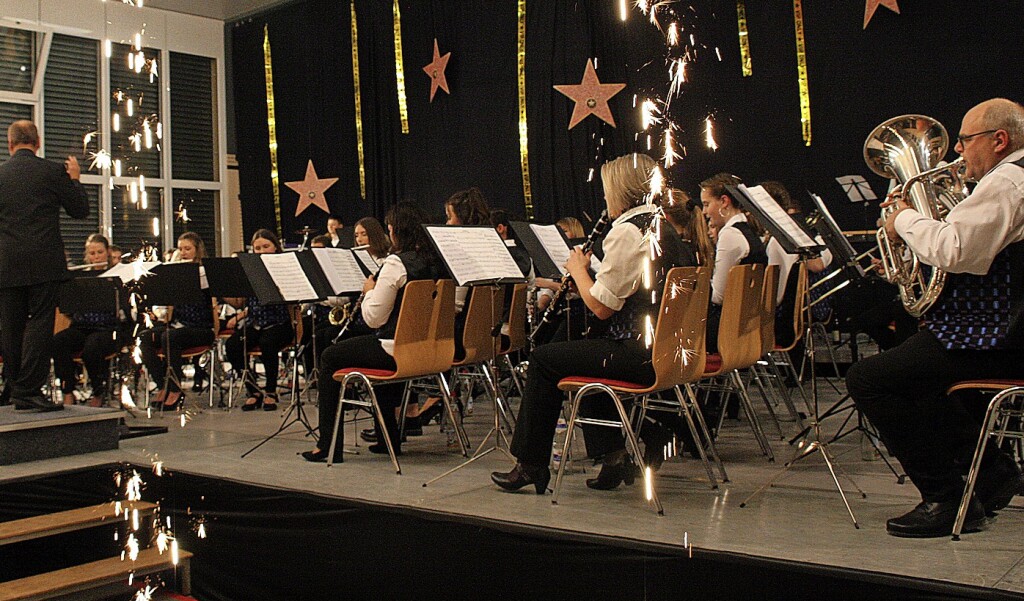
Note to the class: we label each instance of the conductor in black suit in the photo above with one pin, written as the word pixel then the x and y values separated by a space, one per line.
pixel 32 260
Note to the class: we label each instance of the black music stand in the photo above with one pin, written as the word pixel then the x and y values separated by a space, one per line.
pixel 85 292
pixel 476 256
pixel 226 279
pixel 271 291
pixel 794 238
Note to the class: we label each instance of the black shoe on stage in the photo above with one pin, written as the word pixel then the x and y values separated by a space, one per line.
pixel 368 434
pixel 999 483
pixel 612 475
pixel 931 520
pixel 382 449
pixel 39 404
pixel 523 475
pixel 320 456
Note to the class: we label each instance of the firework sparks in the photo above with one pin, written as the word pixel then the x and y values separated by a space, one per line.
pixel 174 551
pixel 672 37
pixel 145 594
pixel 709 133
pixel 648 483
pixel 671 156
pixel 162 541
pixel 677 76
pixel 133 488
pixel 649 113
pixel 100 160
pixel 131 548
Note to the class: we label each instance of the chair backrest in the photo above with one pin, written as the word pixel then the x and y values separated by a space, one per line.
pixel 483 317
pixel 61 322
pixel 516 338
pixel 295 315
pixel 800 308
pixel 769 302
pixel 739 332
pixel 678 352
pixel 425 333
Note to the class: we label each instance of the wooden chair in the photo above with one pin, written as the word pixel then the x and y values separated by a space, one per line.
pixel 677 356
pixel 739 341
pixel 779 356
pixel 1004 419
pixel 515 339
pixel 769 302
pixel 424 346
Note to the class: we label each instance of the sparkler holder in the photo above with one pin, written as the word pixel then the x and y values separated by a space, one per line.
pixel 788 233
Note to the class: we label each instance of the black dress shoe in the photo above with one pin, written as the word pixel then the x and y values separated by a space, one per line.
pixel 612 475
pixel 368 434
pixel 930 520
pixel 999 483
pixel 320 456
pixel 522 475
pixel 39 404
pixel 382 449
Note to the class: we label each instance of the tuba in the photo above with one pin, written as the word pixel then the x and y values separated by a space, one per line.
pixel 908 149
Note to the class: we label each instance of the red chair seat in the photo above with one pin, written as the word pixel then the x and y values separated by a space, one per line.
pixel 581 381
pixel 712 363
pixel 366 371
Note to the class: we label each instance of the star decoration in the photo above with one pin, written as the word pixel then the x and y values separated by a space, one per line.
pixel 591 97
pixel 311 190
pixel 436 71
pixel 872 6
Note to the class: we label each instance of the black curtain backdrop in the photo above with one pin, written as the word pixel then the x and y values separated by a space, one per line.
pixel 936 58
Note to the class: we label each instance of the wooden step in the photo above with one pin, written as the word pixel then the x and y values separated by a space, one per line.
pixel 16 531
pixel 94 575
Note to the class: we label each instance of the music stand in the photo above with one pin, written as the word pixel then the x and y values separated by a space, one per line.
pixel 227 279
pixel 86 292
pixel 287 278
pixel 477 256
pixel 793 238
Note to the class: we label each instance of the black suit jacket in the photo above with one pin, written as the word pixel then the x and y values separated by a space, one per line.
pixel 32 192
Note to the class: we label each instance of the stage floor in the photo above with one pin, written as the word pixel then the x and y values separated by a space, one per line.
pixel 800 522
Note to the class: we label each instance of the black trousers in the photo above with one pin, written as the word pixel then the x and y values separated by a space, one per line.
pixel 902 392
pixel 174 341
pixel 26 331
pixel 270 341
pixel 542 400
pixel 360 351
pixel 95 345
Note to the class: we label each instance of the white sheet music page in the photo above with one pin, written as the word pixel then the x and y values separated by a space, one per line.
pixel 364 256
pixel 341 268
pixel 474 254
pixel 553 244
pixel 287 274
pixel 777 214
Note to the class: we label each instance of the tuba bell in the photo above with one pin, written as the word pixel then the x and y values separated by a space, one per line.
pixel 909 149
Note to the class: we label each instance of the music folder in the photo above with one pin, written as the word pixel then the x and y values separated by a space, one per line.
pixel 474 254
pixel 345 273
pixel 86 292
pixel 173 284
pixel 288 277
pixel 792 236
pixel 546 245
pixel 227 278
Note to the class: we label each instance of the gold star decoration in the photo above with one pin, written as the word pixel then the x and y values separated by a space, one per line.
pixel 435 70
pixel 872 6
pixel 311 190
pixel 591 97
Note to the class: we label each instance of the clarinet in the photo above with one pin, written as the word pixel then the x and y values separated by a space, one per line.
pixel 353 312
pixel 558 304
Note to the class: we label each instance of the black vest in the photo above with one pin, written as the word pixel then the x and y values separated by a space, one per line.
pixel 417 267
pixel 630 321
pixel 757 255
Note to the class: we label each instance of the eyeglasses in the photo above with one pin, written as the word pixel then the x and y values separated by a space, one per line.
pixel 964 138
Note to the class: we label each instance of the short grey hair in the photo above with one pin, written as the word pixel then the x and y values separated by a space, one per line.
pixel 1009 116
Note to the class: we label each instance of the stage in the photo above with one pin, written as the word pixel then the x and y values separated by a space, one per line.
pixel 293 529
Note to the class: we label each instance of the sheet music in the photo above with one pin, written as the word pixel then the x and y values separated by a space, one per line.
pixel 779 215
pixel 856 188
pixel 837 234
pixel 287 274
pixel 367 260
pixel 341 268
pixel 128 272
pixel 474 254
pixel 553 244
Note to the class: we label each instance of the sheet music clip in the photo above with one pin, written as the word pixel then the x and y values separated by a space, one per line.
pixel 857 188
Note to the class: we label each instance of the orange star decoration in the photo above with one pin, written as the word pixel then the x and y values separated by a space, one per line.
pixel 436 72
pixel 311 190
pixel 591 97
pixel 872 6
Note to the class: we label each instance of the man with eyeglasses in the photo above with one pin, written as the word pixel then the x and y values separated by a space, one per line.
pixel 975 330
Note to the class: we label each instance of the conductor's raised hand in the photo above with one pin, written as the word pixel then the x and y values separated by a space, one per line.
pixel 71 166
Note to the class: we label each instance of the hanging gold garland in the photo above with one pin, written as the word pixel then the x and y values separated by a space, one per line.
pixel 801 65
pixel 272 126
pixel 741 17
pixel 359 103
pixel 524 151
pixel 403 109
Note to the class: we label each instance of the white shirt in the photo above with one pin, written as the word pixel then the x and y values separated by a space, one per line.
pixel 778 256
pixel 621 271
pixel 977 229
pixel 378 303
pixel 732 247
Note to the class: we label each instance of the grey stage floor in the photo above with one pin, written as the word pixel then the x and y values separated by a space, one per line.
pixel 803 520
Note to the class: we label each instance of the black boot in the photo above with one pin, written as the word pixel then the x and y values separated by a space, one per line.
pixel 523 475
pixel 614 471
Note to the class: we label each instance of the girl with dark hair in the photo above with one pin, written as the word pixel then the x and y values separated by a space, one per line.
pixel 412 259
pixel 368 232
pixel 266 327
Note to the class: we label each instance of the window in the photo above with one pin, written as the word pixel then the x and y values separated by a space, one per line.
pixel 133 225
pixel 135 105
pixel 9 113
pixel 75 231
pixel 201 209
pixel 18 59
pixel 71 90
pixel 193 135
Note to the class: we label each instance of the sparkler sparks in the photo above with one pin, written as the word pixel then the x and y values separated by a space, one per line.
pixel 100 160
pixel 709 132
pixel 131 547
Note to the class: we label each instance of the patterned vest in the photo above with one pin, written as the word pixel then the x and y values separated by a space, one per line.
pixel 416 268
pixel 629 321
pixel 983 312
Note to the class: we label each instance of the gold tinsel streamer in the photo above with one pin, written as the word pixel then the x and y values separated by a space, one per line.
pixel 272 127
pixel 403 110
pixel 801 65
pixel 524 152
pixel 359 103
pixel 741 17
